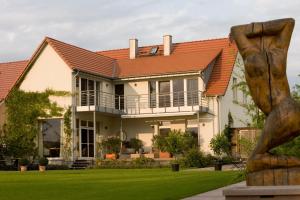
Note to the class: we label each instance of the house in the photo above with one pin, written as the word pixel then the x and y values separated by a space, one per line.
pixel 136 92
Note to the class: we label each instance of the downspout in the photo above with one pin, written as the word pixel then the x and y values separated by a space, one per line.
pixel 219 111
pixel 74 111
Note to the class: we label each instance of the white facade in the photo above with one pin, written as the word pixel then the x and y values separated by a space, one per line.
pixel 136 113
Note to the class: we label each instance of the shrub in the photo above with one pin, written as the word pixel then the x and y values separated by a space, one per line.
pixel 23 162
pixel 128 164
pixel 57 167
pixel 136 144
pixel 195 158
pixel 111 145
pixel 175 143
pixel 159 142
pixel 43 161
pixel 220 144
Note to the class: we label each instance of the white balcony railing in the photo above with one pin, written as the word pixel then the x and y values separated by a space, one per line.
pixel 145 103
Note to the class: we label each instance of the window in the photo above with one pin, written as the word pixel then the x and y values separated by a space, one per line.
pixel 152 91
pixel 164 93
pixel 178 92
pixel 119 96
pixel 192 92
pixel 234 89
pixel 51 130
pixel 87 92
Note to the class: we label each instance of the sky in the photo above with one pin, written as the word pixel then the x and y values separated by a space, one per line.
pixel 108 24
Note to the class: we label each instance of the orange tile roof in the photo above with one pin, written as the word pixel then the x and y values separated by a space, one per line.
pixel 84 60
pixel 9 74
pixel 185 57
pixel 222 70
pixel 158 65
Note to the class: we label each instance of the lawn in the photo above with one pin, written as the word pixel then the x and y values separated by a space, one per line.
pixel 110 184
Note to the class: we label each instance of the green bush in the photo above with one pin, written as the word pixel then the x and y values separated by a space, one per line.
pixel 111 145
pixel 220 145
pixel 58 167
pixel 128 164
pixel 159 142
pixel 136 144
pixel 195 158
pixel 23 162
pixel 43 161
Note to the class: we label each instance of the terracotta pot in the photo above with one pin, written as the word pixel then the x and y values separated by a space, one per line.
pixel 111 156
pixel 164 154
pixel 42 168
pixel 23 168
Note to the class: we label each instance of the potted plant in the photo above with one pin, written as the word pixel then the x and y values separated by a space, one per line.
pixel 43 162
pixel 159 142
pixel 112 147
pixel 136 144
pixel 173 144
pixel 23 162
pixel 220 145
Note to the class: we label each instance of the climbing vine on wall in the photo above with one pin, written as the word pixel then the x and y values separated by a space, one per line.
pixel 67 147
pixel 24 110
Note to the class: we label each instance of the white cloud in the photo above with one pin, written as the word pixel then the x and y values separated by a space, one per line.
pixel 106 24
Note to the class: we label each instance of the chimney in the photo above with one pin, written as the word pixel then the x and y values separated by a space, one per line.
pixel 133 48
pixel 167 45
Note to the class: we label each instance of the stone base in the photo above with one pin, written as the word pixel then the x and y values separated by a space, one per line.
pixel 268 177
pixel 263 192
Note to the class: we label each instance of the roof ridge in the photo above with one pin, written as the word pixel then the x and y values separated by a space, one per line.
pixel 49 38
pixel 204 40
pixel 14 61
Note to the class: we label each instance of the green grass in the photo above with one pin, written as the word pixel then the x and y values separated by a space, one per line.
pixel 110 184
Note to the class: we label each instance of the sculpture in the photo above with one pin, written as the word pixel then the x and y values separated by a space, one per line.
pixel 263 47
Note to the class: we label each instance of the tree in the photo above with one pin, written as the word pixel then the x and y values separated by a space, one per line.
pixel 220 145
pixel 24 109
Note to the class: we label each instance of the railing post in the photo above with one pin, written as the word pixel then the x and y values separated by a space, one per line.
pixel 88 98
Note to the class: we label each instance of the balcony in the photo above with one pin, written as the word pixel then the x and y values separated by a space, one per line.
pixel 177 102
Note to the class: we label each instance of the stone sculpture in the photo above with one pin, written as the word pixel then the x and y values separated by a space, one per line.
pixel 264 47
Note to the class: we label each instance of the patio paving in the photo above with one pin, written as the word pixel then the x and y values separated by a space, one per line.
pixel 214 194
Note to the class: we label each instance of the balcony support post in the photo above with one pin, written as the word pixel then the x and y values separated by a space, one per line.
pixel 94 123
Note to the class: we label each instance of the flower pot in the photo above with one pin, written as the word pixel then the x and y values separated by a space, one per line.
pixel 42 168
pixel 111 156
pixel 23 168
pixel 164 155
pixel 175 167
pixel 218 166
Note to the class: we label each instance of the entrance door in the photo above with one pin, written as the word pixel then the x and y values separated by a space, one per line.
pixel 87 141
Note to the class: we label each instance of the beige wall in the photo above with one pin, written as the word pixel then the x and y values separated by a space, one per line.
pixel 238 113
pixel 49 71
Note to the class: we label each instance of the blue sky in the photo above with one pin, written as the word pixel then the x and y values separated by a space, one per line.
pixel 108 24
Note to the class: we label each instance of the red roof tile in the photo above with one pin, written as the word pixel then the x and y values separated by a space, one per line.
pixel 185 57
pixel 84 60
pixel 157 65
pixel 9 74
pixel 222 70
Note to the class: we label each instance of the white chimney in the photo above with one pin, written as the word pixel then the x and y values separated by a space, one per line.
pixel 133 48
pixel 167 45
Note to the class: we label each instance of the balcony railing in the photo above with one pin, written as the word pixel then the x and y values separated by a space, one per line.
pixel 145 103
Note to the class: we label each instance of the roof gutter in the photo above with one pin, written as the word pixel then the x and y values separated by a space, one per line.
pixel 159 76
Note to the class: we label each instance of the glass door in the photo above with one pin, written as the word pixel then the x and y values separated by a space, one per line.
pixel 87 143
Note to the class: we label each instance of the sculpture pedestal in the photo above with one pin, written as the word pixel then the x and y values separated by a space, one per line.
pixel 263 192
pixel 269 177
